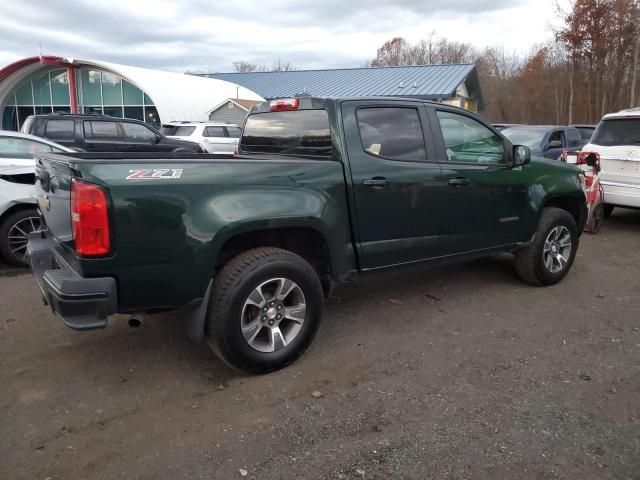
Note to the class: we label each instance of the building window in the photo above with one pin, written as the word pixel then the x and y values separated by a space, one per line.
pixel 99 92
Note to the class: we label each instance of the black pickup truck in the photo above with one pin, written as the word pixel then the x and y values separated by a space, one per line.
pixel 323 190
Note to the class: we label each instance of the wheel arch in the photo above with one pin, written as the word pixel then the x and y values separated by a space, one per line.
pixel 573 204
pixel 307 241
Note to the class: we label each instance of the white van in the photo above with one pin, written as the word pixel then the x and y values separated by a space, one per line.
pixel 617 140
pixel 217 138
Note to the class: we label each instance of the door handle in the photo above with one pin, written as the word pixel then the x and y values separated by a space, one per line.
pixel 459 181
pixel 379 182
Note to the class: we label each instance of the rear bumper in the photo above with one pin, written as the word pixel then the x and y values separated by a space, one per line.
pixel 81 303
pixel 622 194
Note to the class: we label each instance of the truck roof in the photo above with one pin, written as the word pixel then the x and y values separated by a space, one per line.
pixel 309 102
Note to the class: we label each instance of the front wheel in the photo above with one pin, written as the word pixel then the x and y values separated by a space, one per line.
pixel 550 255
pixel 264 310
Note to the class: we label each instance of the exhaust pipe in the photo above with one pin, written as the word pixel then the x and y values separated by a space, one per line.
pixel 136 321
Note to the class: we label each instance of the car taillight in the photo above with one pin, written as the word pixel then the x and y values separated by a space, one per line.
pixel 89 220
pixel 284 104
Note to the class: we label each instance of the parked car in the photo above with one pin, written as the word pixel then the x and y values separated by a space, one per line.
pixel 215 138
pixel 102 133
pixel 18 213
pixel 617 141
pixel 323 190
pixel 545 141
pixel 502 126
pixel 586 131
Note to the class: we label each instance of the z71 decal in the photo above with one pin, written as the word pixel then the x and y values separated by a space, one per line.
pixel 154 174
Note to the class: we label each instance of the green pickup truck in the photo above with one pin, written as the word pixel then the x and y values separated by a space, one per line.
pixel 247 248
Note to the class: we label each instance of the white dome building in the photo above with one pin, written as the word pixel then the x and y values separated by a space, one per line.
pixel 39 85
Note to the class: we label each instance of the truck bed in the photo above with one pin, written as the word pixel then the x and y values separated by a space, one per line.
pixel 175 226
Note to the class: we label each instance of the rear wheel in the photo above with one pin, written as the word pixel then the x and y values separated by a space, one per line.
pixel 597 217
pixel 264 310
pixel 14 233
pixel 550 255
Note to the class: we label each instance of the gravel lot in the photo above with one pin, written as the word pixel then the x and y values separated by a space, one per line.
pixel 457 372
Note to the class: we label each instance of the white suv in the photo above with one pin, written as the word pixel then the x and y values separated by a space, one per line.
pixel 617 140
pixel 216 138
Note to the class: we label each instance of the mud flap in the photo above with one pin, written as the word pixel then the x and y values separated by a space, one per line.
pixel 196 318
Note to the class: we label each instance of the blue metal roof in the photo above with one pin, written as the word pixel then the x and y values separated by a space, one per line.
pixel 433 82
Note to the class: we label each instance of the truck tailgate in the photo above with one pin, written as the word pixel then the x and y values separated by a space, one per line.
pixel 53 193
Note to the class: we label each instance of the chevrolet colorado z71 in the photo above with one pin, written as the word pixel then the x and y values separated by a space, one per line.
pixel 323 190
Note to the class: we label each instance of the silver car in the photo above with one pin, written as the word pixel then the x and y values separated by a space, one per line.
pixel 18 213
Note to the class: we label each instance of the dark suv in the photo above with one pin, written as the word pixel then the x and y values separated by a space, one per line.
pixel 102 133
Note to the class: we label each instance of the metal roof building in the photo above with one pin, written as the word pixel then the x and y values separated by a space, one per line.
pixel 453 84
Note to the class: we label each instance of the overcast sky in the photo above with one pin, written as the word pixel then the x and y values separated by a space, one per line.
pixel 210 35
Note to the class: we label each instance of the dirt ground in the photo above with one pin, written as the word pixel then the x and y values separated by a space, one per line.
pixel 449 373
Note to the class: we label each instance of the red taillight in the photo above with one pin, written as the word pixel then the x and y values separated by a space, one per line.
pixel 89 219
pixel 284 104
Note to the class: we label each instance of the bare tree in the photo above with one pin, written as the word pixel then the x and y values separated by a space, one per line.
pixel 277 66
pixel 242 66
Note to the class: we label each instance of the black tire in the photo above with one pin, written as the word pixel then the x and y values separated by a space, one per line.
pixel 28 220
pixel 232 287
pixel 608 210
pixel 597 217
pixel 529 261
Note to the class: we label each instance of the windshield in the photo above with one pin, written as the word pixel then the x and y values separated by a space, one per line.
pixel 619 131
pixel 300 132
pixel 522 136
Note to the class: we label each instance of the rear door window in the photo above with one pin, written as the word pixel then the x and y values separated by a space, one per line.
pixel 618 131
pixel 100 130
pixel 234 132
pixel 183 131
pixel 392 132
pixel 60 129
pixel 138 133
pixel 214 132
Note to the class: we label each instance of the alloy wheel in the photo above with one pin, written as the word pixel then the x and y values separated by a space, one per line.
pixel 557 249
pixel 19 236
pixel 273 315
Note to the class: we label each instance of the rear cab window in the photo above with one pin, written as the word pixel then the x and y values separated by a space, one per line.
pixel 617 131
pixel 297 132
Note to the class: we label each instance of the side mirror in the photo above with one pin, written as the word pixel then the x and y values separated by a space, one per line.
pixel 158 138
pixel 555 144
pixel 521 155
